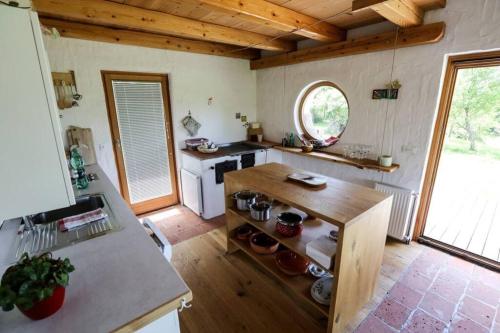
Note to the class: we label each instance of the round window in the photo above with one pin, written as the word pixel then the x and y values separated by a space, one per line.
pixel 323 111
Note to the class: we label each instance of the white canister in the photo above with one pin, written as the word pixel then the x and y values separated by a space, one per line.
pixel 385 160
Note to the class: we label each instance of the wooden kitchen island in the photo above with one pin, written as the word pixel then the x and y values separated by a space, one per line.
pixel 360 214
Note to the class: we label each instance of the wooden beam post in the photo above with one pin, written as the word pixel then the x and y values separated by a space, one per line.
pixel 424 34
pixel 280 18
pixel 403 13
pixel 117 15
pixel 127 37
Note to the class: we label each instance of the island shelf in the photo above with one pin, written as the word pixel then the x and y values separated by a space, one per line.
pixel 360 214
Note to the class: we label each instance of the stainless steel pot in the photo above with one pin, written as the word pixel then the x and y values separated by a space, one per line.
pixel 260 211
pixel 244 199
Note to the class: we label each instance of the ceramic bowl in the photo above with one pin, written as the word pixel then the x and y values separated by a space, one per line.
pixel 307 148
pixel 321 290
pixel 263 244
pixel 244 232
pixel 291 263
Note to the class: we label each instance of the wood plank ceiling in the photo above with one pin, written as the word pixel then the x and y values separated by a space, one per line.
pixel 234 28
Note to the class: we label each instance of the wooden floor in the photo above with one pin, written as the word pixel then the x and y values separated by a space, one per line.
pixel 465 207
pixel 231 294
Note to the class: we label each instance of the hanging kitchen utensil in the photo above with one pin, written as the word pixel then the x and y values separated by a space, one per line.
pixel 191 125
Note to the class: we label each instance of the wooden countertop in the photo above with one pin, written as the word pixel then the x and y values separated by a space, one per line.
pixel 223 152
pixel 339 202
pixel 338 158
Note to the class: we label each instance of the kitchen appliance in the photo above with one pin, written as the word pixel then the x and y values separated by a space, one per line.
pixel 247 160
pixel 244 199
pixel 260 211
pixel 211 202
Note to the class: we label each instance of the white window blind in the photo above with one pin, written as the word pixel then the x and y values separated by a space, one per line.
pixel 141 121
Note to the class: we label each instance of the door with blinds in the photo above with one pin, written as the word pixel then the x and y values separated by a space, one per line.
pixel 140 121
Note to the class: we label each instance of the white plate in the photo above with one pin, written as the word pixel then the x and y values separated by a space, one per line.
pixel 321 290
pixel 318 271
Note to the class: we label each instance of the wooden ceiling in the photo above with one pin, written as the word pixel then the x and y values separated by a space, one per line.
pixel 235 28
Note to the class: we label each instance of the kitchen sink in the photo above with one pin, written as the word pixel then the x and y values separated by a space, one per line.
pixel 83 204
pixel 45 235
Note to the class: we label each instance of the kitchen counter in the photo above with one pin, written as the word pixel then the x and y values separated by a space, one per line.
pixel 225 151
pixel 121 280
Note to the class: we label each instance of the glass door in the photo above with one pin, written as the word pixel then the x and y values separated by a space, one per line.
pixel 463 210
pixel 140 121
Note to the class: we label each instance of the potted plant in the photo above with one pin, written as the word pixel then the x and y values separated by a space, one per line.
pixel 36 285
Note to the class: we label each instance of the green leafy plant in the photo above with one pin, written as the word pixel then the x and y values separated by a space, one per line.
pixel 32 280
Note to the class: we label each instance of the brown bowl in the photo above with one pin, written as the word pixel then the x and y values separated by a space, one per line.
pixel 291 263
pixel 244 232
pixel 307 149
pixel 263 244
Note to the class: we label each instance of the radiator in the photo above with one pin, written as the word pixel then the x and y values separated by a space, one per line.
pixel 191 191
pixel 403 206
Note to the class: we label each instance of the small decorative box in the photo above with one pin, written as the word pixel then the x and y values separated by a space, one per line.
pixel 322 250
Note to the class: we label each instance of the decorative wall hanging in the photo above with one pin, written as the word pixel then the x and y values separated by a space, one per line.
pixel 191 125
pixel 391 91
pixel 65 88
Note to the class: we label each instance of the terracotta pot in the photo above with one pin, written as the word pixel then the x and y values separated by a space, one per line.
pixel 46 307
pixel 263 244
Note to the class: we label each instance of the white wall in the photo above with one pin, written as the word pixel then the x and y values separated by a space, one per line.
pixel 471 25
pixel 193 78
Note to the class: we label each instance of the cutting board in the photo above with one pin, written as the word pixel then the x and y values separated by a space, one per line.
pixel 84 139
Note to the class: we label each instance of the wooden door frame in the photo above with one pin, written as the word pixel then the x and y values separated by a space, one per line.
pixel 454 63
pixel 107 77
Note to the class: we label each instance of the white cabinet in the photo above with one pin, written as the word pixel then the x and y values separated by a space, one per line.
pixel 33 166
pixel 260 157
pixel 274 156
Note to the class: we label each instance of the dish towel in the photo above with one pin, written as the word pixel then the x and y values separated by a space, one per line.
pixel 72 222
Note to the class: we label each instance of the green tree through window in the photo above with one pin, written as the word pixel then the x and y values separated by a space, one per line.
pixel 324 111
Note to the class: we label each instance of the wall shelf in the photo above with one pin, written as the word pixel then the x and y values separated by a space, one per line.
pixel 366 163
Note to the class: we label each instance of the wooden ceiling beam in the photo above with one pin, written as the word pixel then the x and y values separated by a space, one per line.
pixel 424 34
pixel 127 37
pixel 280 18
pixel 403 13
pixel 117 15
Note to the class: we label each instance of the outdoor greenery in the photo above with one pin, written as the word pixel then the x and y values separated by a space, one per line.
pixel 32 280
pixel 326 111
pixel 474 119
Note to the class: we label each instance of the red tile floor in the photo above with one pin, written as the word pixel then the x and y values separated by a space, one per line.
pixel 439 293
pixel 179 223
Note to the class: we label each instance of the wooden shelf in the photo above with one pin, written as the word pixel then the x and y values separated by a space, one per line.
pixel 300 285
pixel 365 163
pixel 313 228
pixel 361 215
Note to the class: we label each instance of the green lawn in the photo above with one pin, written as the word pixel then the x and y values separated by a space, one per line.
pixel 490 148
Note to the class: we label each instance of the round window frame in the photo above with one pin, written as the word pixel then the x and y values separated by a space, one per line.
pixel 303 97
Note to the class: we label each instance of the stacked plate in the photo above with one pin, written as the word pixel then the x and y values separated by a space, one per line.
pixel 321 290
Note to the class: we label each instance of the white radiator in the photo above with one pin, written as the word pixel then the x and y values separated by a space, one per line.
pixel 402 212
pixel 191 191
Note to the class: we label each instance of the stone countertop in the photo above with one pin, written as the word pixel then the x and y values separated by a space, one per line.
pixel 223 151
pixel 119 277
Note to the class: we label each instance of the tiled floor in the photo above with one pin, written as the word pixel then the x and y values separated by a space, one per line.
pixel 178 223
pixel 439 293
